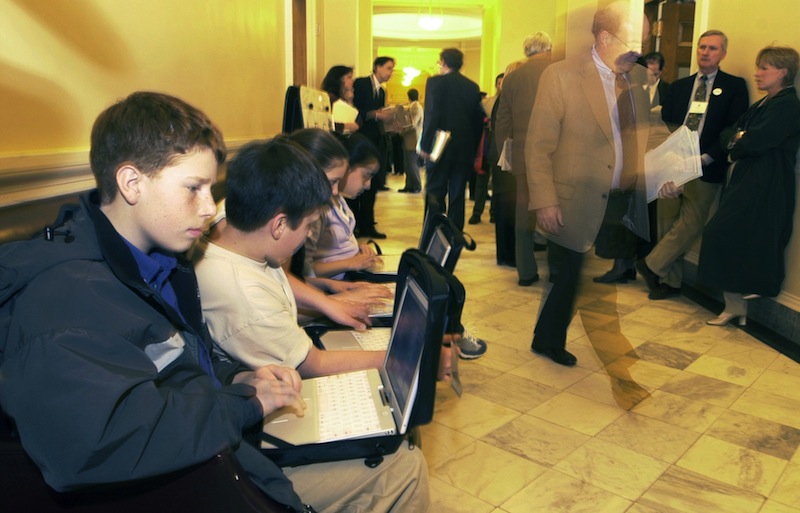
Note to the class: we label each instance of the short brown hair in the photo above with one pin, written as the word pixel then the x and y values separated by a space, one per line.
pixel 150 131
pixel 781 57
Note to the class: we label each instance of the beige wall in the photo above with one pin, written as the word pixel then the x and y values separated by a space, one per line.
pixel 62 62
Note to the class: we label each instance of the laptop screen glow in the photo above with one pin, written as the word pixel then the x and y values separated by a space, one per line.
pixel 405 348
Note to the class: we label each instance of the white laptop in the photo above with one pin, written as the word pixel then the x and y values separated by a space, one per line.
pixel 368 403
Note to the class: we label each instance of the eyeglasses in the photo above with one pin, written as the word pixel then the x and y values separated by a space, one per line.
pixel 631 50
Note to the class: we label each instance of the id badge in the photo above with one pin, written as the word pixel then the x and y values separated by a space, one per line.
pixel 698 107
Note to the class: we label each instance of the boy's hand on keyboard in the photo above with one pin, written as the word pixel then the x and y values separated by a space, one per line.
pixel 366 294
pixel 355 315
pixel 277 387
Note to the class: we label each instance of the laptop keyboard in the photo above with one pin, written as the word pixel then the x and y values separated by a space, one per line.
pixel 373 340
pixel 345 406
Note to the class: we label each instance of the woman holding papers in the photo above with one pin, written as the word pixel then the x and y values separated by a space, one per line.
pixel 338 83
pixel 743 245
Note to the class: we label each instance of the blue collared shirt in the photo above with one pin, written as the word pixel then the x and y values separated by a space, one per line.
pixel 155 269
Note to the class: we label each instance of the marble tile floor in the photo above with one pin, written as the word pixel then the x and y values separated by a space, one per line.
pixel 662 414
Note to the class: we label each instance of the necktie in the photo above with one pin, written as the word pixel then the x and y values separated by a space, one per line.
pixel 693 121
pixel 627 131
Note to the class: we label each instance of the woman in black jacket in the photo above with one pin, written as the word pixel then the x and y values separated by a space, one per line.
pixel 743 244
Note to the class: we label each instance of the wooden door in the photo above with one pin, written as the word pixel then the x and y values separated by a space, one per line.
pixel 675 30
pixel 299 50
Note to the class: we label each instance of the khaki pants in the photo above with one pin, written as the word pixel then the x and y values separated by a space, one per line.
pixel 398 485
pixel 680 223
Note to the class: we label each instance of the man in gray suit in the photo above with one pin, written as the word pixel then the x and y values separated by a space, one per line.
pixel 513 116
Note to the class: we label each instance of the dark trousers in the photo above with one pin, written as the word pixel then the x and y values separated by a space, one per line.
pixel 504 205
pixel 481 193
pixel 559 307
pixel 447 178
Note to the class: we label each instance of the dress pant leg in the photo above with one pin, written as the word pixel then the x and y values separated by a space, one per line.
pixel 481 192
pixel 435 188
pixel 524 230
pixel 556 315
pixel 413 181
pixel 456 191
pixel 687 225
pixel 504 202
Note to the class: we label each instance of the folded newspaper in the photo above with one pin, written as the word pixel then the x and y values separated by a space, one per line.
pixel 677 160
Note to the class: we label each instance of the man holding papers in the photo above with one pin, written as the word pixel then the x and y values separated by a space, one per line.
pixel 706 102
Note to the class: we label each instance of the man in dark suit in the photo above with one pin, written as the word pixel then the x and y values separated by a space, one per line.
pixel 584 157
pixel 708 101
pixel 453 104
pixel 369 98
pixel 513 117
pixel 658 89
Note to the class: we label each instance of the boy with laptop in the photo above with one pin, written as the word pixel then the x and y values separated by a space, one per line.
pixel 107 367
pixel 274 190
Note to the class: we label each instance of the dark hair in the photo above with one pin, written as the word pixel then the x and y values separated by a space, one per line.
pixel 453 58
pixel 380 61
pixel 332 83
pixel 270 177
pixel 322 145
pixel 498 77
pixel 655 57
pixel 413 95
pixel 361 151
pixel 150 131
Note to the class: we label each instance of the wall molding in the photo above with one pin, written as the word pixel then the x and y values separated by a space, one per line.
pixel 36 177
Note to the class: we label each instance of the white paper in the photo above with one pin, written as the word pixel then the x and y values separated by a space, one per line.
pixel 505 156
pixel 343 112
pixel 440 140
pixel 677 160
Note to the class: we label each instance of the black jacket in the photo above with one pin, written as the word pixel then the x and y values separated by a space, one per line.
pixel 453 103
pixel 99 373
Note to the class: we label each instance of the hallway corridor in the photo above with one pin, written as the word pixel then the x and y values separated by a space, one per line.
pixel 662 413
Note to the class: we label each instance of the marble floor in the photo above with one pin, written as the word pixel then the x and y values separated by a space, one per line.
pixel 661 414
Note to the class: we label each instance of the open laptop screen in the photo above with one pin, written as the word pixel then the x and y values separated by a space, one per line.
pixel 406 346
pixel 439 247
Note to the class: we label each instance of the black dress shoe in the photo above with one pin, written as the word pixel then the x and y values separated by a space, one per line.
pixel 616 276
pixel 383 188
pixel 372 234
pixel 506 263
pixel 560 356
pixel 474 220
pixel 528 282
pixel 650 278
pixel 403 190
pixel 664 291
